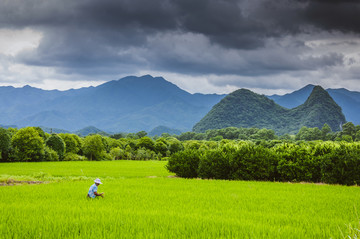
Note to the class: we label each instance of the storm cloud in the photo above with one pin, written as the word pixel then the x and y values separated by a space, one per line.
pixel 254 43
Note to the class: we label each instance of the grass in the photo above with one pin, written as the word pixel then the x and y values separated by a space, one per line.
pixel 139 206
pixel 117 169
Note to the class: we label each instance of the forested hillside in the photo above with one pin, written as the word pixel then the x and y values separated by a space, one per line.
pixel 244 108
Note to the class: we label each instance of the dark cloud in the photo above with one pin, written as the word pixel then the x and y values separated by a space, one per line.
pixel 193 36
pixel 334 15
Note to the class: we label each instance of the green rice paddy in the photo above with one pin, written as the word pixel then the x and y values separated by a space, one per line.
pixel 143 200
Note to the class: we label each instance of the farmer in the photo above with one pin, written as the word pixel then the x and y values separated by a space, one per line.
pixel 93 190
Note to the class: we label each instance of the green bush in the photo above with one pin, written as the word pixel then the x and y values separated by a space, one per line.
pixel 214 164
pixel 342 165
pixel 184 163
pixel 252 162
pixel 316 161
pixel 74 157
pixel 50 154
pixel 298 163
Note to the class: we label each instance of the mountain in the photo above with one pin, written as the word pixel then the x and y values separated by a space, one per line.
pixel 130 104
pixel 91 130
pixel 163 129
pixel 293 99
pixel 349 101
pixel 244 108
pixel 53 130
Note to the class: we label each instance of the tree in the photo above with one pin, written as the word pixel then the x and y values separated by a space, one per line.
pixel 28 145
pixel 141 134
pixel 265 134
pixel 349 129
pixel 357 136
pixel 306 133
pixel 285 137
pixel 200 136
pixel 175 145
pixel 118 136
pixel 56 143
pixel 5 143
pixel 186 136
pixel 146 142
pixel 94 148
pixel 325 130
pixel 161 147
pixel 40 132
pixel 72 143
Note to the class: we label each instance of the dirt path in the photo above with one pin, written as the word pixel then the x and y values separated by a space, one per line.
pixel 11 182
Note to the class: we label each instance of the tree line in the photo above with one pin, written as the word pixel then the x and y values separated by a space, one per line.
pixel 349 133
pixel 32 144
pixel 310 161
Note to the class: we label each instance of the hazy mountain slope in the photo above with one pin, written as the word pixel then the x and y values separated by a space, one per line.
pixel 293 99
pixel 127 105
pixel 349 101
pixel 162 129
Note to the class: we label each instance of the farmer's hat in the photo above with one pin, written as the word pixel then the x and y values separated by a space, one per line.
pixel 98 181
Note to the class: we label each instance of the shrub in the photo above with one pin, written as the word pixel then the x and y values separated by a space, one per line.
pixel 175 145
pixel 297 163
pixel 74 157
pixel 50 154
pixel 342 165
pixel 184 163
pixel 214 163
pixel 252 162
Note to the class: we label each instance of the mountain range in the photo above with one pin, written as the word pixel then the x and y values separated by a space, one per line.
pixel 130 104
pixel 244 108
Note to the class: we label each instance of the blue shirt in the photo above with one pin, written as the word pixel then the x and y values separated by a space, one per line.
pixel 93 188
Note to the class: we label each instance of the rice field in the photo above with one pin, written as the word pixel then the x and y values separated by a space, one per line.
pixel 142 200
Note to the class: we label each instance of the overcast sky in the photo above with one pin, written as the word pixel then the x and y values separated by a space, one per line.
pixel 207 46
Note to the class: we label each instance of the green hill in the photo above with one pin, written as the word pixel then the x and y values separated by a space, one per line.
pixel 244 108
pixel 163 129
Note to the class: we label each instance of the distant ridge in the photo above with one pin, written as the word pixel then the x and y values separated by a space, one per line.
pixel 130 104
pixel 293 99
pixel 244 108
pixel 163 129
pixel 91 130
pixel 349 101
